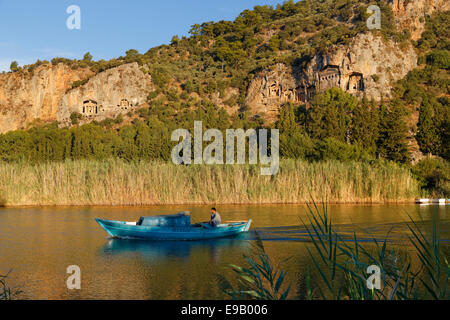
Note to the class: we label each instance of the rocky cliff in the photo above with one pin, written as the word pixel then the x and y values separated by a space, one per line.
pixel 48 95
pixel 410 15
pixel 107 94
pixel 368 65
pixel 26 97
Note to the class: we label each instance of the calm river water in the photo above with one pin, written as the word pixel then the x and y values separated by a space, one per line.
pixel 38 244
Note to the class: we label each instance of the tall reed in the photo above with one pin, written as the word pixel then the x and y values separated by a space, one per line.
pixel 6 293
pixel 115 182
pixel 340 267
pixel 260 280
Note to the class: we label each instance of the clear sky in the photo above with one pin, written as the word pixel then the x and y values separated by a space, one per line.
pixel 34 30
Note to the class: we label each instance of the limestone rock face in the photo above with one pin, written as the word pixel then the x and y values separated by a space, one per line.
pixel 25 98
pixel 368 65
pixel 411 15
pixel 107 94
pixel 271 88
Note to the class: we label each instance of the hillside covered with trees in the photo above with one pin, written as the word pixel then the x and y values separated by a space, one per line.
pixel 225 55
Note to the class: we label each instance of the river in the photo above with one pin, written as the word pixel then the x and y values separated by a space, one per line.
pixel 38 244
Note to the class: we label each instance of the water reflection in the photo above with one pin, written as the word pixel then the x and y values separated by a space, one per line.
pixel 162 250
pixel 39 244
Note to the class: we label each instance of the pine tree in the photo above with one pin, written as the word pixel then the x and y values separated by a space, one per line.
pixel 365 122
pixel 427 129
pixel 286 121
pixel 294 142
pixel 330 115
pixel 14 66
pixel 392 143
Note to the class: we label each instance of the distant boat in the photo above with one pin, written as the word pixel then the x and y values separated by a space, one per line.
pixel 429 201
pixel 171 227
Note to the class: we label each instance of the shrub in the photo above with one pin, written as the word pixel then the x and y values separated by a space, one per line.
pixel 119 119
pixel 333 149
pixel 434 174
pixel 439 58
pixel 75 117
pixel 152 95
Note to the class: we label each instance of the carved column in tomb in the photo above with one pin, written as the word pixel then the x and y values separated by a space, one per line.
pixel 302 92
pixel 267 88
pixel 398 5
pixel 339 75
pixel 355 82
pixel 316 82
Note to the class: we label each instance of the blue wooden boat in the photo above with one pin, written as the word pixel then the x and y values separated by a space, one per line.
pixel 171 227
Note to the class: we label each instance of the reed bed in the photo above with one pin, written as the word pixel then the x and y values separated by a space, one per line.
pixel 340 266
pixel 119 183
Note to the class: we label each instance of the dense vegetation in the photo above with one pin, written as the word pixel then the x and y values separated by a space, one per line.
pixel 341 262
pixel 335 127
pixel 227 54
pixel 118 182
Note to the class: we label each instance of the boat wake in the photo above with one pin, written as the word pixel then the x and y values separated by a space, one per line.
pixel 392 232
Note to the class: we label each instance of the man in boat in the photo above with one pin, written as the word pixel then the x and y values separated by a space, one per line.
pixel 215 218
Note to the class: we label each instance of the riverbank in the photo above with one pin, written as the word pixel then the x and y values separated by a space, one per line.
pixel 119 183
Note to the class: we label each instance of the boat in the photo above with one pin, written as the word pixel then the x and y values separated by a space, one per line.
pixel 432 201
pixel 171 227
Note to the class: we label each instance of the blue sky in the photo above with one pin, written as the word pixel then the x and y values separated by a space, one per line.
pixel 37 29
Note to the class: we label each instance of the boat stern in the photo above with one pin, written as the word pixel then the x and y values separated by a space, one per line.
pixel 247 227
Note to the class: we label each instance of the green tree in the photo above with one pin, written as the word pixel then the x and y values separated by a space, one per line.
pixel 195 30
pixel 274 43
pixel 49 143
pixel 427 129
pixel 131 54
pixel 75 117
pixel 228 53
pixel 392 141
pixel 330 115
pixel 15 146
pixel 365 123
pixel 439 58
pixel 14 66
pixel 294 142
pixel 87 57
pixel 175 40
pixel 160 76
pixel 128 149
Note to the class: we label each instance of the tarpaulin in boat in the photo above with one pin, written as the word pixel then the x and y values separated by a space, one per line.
pixel 182 219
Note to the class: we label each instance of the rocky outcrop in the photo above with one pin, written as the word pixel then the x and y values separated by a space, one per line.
pixel 26 97
pixel 411 15
pixel 107 94
pixel 271 88
pixel 47 94
pixel 368 65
